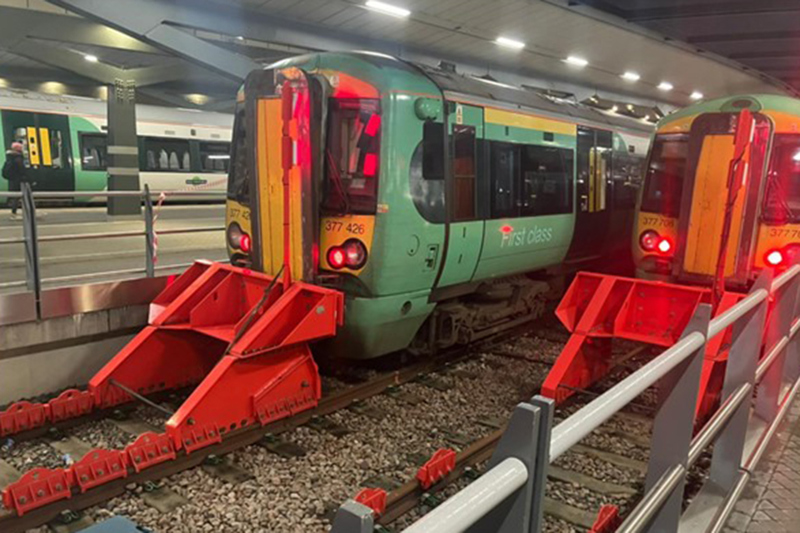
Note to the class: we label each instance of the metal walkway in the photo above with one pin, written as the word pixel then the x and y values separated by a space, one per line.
pixel 771 501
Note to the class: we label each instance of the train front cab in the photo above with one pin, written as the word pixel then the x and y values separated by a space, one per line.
pixel 681 210
pixel 344 229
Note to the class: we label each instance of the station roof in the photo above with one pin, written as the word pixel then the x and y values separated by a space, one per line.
pixel 194 54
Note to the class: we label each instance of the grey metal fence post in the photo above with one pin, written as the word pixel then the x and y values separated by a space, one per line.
pixel 29 229
pixel 780 323
pixel 791 368
pixel 149 234
pixel 743 357
pixel 529 426
pixel 673 425
pixel 353 517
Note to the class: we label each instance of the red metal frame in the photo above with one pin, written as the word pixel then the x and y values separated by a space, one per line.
pixel 375 499
pixel 608 520
pixel 598 308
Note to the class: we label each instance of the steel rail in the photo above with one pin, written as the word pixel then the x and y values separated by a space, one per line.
pixel 10 522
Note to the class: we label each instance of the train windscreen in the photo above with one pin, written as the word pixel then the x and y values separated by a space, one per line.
pixel 238 179
pixel 665 173
pixel 352 156
pixel 782 201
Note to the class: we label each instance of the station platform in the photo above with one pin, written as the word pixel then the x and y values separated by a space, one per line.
pixel 771 501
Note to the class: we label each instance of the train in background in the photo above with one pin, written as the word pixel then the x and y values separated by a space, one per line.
pixel 439 203
pixel 65 143
pixel 682 209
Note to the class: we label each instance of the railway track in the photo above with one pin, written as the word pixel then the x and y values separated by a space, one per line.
pixel 337 400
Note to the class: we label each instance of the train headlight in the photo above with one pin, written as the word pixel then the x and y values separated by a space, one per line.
pixel 649 240
pixel 352 254
pixel 774 258
pixel 355 254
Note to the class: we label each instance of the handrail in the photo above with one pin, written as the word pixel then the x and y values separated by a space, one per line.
pixel 477 499
pixel 570 431
pixel 31 238
pixel 112 194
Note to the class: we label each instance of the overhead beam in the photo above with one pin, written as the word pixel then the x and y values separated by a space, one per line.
pixel 154 22
pixel 725 9
pixel 766 54
pixel 744 36
pixel 25 23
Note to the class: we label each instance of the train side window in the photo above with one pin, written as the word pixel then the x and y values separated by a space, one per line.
pixel 464 173
pixel 215 157
pixel 625 177
pixel 504 170
pixel 782 201
pixel 433 151
pixel 546 187
pixel 167 155
pixel 94 151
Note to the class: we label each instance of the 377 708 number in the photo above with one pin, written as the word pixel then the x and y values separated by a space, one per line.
pixel 353 228
pixel 785 232
pixel 658 222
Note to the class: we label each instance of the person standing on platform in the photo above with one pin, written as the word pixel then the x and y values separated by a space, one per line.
pixel 14 172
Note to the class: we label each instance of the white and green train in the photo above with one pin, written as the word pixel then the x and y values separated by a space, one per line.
pixel 64 139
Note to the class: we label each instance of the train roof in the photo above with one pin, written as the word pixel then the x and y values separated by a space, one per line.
pixel 471 86
pixel 530 99
pixel 78 105
pixel 784 110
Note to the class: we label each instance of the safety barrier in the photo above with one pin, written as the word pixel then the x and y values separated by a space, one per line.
pixel 763 353
pixel 31 240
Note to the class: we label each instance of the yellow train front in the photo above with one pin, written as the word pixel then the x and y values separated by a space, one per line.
pixel 681 208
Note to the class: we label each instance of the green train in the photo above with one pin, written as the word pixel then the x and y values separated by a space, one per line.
pixel 440 203
pixel 65 144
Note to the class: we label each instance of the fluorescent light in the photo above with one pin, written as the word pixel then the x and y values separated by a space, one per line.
pixel 614 109
pixel 665 86
pixel 387 9
pixel 510 43
pixel 630 76
pixel 696 95
pixel 219 156
pixel 91 58
pixel 240 38
pixel 576 61
pixel 630 107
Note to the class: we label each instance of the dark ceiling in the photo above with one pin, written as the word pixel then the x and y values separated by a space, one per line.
pixel 761 34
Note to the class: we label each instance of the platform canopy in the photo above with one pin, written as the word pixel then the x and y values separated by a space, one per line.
pixel 194 53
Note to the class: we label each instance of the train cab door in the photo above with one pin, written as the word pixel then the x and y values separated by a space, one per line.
pixel 593 206
pixel 465 229
pixel 702 215
pixel 282 133
pixel 47 148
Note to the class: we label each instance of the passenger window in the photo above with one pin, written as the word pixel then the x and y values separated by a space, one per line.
pixel 503 175
pixel 546 181
pixel 215 157
pixel 433 151
pixel 94 151
pixel 464 173
pixel 167 155
pixel 626 177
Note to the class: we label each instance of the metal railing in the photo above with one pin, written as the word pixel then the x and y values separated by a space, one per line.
pixel 509 497
pixel 31 240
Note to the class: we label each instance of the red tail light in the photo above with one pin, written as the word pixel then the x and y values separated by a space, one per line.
pixel 370 165
pixel 245 243
pixel 373 125
pixel 774 258
pixel 649 240
pixel 664 246
pixel 336 257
